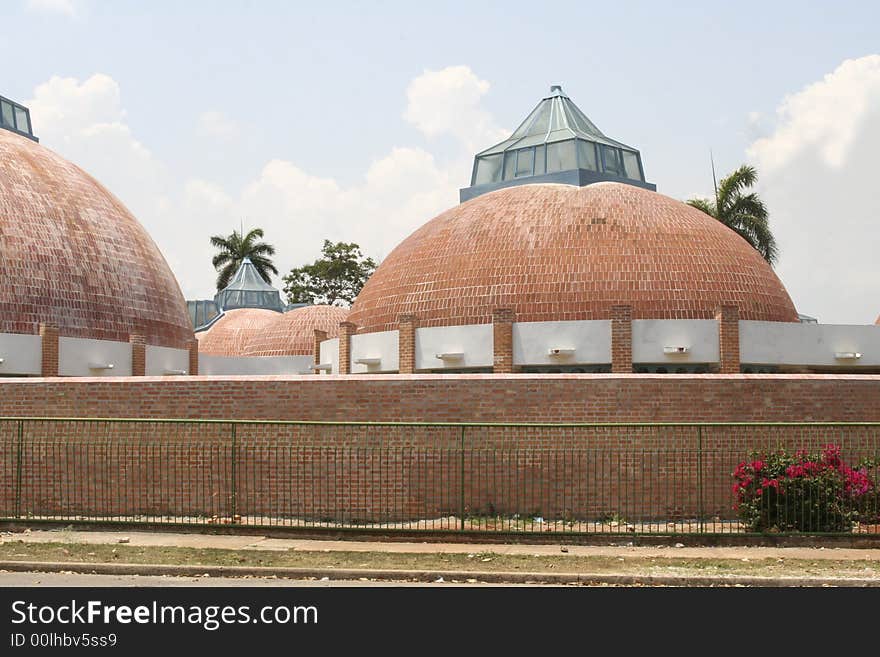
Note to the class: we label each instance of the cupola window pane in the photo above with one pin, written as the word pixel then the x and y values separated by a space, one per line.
pixel 631 166
pixel 524 161
pixel 6 114
pixel 21 120
pixel 587 155
pixel 561 156
pixel 540 156
pixel 611 156
pixel 489 169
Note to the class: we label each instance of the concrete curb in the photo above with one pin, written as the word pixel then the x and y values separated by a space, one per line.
pixel 499 577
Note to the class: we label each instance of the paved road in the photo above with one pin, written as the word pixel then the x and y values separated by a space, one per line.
pixel 72 579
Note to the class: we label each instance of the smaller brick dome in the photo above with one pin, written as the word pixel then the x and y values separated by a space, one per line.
pixel 292 334
pixel 229 335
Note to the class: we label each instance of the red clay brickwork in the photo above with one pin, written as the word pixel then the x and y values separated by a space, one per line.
pixel 49 348
pixel 193 348
pixel 230 334
pixel 558 252
pixel 621 339
pixel 400 472
pixel 406 343
pixel 346 330
pixel 138 355
pixel 74 256
pixel 318 336
pixel 383 473
pixel 728 338
pixel 457 397
pixel 502 340
pixel 292 334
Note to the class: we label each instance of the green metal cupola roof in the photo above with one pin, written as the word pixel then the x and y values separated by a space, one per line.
pixel 556 143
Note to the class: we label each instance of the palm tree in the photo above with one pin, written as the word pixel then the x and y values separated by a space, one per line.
pixel 744 213
pixel 235 248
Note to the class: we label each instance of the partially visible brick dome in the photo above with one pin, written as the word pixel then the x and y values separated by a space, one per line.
pixel 559 252
pixel 72 255
pixel 230 334
pixel 292 334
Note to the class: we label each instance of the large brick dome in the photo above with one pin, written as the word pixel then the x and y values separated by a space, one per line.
pixel 292 334
pixel 71 255
pixel 230 334
pixel 559 252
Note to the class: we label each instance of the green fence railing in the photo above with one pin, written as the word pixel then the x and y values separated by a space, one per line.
pixel 638 478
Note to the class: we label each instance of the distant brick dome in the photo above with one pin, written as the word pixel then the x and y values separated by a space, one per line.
pixel 72 255
pixel 558 252
pixel 292 334
pixel 230 334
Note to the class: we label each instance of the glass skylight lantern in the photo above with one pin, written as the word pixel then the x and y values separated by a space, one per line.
pixel 16 118
pixel 556 143
pixel 247 289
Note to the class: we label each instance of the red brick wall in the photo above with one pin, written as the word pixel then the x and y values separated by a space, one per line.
pixel 395 473
pixel 621 339
pixel 457 397
pixel 138 355
pixel 502 340
pixel 406 346
pixel 193 348
pixel 346 330
pixel 728 338
pixel 49 347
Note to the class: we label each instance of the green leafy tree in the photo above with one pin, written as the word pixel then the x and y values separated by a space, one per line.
pixel 742 211
pixel 335 278
pixel 233 249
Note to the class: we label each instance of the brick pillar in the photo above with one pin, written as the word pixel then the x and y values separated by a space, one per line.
pixel 502 335
pixel 193 348
pixel 346 330
pixel 49 345
pixel 319 337
pixel 138 354
pixel 728 339
pixel 406 343
pixel 621 340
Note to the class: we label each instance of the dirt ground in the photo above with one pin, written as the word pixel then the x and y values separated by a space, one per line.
pixel 196 549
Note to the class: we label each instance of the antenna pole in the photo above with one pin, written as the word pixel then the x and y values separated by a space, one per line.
pixel 714 179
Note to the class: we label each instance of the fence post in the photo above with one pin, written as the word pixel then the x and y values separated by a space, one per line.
pixel 232 486
pixel 461 482
pixel 18 457
pixel 700 477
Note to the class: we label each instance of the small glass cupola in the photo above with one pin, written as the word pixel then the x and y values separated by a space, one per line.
pixel 247 289
pixel 556 143
pixel 16 118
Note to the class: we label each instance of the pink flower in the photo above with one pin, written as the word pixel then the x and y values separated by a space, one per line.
pixel 831 455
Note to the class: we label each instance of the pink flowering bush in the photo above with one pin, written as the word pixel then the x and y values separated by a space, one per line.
pixel 806 492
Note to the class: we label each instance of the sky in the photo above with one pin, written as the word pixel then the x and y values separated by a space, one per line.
pixel 359 121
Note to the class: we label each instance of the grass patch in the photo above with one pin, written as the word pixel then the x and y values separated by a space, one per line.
pixel 483 561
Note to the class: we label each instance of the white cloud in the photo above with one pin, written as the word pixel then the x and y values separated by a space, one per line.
pixel 66 7
pixel 85 121
pixel 826 116
pixel 818 174
pixel 216 125
pixel 449 102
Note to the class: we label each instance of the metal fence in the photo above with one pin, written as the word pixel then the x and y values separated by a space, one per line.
pixel 637 478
